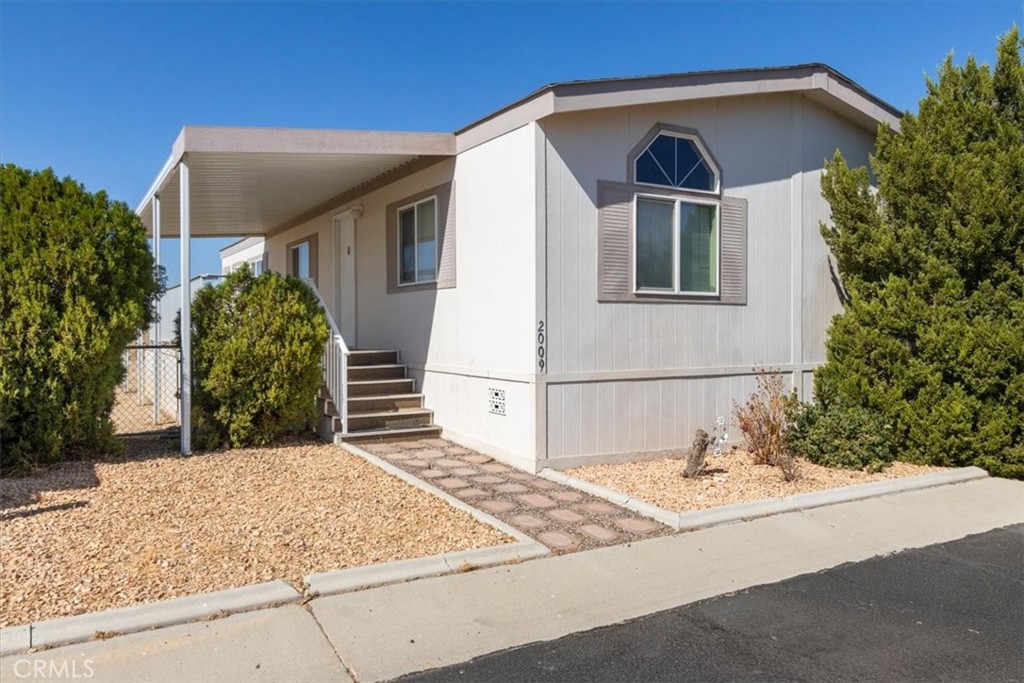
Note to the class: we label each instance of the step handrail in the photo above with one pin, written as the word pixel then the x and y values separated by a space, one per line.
pixel 335 361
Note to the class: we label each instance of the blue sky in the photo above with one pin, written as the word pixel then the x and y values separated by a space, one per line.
pixel 99 91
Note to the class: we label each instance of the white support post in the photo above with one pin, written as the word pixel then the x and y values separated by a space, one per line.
pixel 156 326
pixel 186 315
pixel 139 370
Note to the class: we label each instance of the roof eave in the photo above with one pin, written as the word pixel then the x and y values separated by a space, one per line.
pixel 864 108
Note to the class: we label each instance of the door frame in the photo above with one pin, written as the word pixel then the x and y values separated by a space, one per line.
pixel 343 227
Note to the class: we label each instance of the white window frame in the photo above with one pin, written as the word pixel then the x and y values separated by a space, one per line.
pixel 700 148
pixel 415 251
pixel 293 264
pixel 252 265
pixel 676 201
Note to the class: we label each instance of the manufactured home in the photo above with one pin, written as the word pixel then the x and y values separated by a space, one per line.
pixel 586 275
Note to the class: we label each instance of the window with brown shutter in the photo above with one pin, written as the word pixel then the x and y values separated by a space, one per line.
pixel 669 235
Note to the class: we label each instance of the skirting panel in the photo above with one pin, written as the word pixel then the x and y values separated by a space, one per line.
pixel 595 422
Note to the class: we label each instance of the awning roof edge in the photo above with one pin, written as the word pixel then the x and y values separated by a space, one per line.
pixel 334 160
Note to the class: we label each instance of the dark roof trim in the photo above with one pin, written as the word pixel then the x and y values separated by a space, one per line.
pixel 625 84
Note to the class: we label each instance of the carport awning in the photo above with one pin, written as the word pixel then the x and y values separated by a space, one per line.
pixel 249 181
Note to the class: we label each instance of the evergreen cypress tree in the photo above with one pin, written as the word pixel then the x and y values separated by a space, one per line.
pixel 77 284
pixel 932 272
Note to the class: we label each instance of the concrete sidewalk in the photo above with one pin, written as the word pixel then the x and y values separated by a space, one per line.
pixel 385 632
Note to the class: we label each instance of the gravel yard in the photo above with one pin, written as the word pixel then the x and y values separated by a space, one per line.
pixel 92 536
pixel 729 478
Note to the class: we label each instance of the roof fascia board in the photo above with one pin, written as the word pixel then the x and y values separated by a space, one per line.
pixel 511 118
pixel 678 93
pixel 240 245
pixel 220 140
pixel 851 97
pixel 177 150
pixel 862 107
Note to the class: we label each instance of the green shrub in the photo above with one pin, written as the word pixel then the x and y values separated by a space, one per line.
pixel 851 438
pixel 77 284
pixel 256 349
pixel 932 272
pixel 1009 464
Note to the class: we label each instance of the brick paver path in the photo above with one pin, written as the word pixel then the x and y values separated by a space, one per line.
pixel 560 517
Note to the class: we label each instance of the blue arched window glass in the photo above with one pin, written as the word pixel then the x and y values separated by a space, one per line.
pixel 676 161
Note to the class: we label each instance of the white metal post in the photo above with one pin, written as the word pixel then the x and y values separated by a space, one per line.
pixel 186 315
pixel 139 371
pixel 156 326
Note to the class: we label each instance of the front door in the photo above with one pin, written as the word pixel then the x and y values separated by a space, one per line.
pixel 345 275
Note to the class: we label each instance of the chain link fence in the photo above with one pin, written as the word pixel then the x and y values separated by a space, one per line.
pixel 147 402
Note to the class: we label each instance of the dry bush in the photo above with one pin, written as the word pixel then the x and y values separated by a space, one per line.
pixel 764 421
pixel 789 465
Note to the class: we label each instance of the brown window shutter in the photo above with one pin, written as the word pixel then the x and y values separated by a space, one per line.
pixel 614 242
pixel 734 251
pixel 446 241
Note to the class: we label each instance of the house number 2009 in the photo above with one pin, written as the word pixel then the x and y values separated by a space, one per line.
pixel 541 341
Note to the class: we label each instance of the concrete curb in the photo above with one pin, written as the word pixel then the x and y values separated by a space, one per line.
pixel 144 617
pixel 358 578
pixel 805 501
pixel 344 580
pixel 728 514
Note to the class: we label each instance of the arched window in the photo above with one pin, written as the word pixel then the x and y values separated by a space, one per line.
pixel 676 160
pixel 669 232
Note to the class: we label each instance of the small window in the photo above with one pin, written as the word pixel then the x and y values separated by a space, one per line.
pixel 678 161
pixel 300 260
pixel 417 242
pixel 256 266
pixel 676 246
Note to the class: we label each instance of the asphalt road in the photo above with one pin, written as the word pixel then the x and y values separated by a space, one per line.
pixel 949 612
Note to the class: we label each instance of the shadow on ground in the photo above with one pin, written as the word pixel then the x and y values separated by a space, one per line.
pixel 21 490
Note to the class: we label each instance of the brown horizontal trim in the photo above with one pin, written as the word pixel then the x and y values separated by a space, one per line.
pixel 708 372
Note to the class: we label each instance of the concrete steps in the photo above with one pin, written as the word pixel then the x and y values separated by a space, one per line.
pixel 379 435
pixel 382 401
pixel 379 387
pixel 363 373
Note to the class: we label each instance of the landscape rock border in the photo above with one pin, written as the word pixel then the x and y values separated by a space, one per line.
pixel 192 608
pixel 728 514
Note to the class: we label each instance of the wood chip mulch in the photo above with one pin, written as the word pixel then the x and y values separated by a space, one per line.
pixel 729 478
pixel 90 536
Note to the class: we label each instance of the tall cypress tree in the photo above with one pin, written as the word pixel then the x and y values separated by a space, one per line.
pixel 932 271
pixel 77 283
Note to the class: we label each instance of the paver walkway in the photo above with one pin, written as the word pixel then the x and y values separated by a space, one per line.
pixel 560 517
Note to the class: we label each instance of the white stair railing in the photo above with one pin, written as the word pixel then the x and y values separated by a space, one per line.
pixel 335 363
